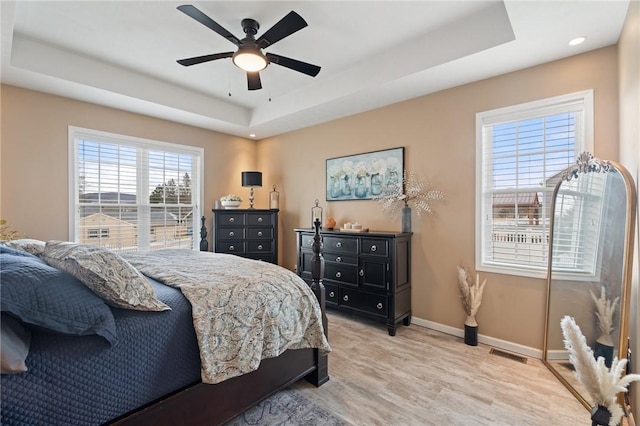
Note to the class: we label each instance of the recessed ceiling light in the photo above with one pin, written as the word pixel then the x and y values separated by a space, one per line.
pixel 252 135
pixel 576 41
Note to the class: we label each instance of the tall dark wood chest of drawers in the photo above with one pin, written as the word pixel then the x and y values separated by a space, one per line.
pixel 251 233
pixel 366 273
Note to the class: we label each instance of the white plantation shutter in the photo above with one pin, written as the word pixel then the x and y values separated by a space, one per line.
pixel 521 152
pixel 579 207
pixel 132 194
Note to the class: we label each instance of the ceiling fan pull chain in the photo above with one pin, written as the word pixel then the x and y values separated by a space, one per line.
pixel 229 79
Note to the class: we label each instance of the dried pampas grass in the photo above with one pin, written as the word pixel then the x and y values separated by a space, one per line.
pixel 604 310
pixel 471 294
pixel 601 383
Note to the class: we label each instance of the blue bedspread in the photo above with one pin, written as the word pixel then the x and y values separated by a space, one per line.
pixel 82 380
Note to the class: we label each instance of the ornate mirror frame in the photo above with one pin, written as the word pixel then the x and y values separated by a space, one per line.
pixel 575 294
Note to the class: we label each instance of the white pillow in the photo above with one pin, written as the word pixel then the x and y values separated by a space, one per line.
pixel 14 345
pixel 34 247
pixel 106 273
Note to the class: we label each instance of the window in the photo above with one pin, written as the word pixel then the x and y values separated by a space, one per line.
pixel 130 194
pixel 521 152
pixel 98 233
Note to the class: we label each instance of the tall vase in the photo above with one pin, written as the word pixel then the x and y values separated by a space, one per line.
pixel 406 218
pixel 346 185
pixel 604 348
pixel 392 178
pixel 361 187
pixel 471 331
pixel 376 184
pixel 335 189
pixel 600 415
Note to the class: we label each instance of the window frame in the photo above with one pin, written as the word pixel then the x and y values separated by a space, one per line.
pixel 77 133
pixel 544 107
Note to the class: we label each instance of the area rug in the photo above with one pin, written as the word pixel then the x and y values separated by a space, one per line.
pixel 286 408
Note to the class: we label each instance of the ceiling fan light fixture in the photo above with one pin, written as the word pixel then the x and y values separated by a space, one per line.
pixel 576 41
pixel 250 60
pixel 249 56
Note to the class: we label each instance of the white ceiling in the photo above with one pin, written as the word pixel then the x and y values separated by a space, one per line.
pixel 123 54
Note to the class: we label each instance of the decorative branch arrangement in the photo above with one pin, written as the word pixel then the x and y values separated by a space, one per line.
pixel 470 294
pixel 6 233
pixel 601 383
pixel 604 311
pixel 412 189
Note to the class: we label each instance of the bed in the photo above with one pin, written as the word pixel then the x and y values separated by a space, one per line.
pixel 135 367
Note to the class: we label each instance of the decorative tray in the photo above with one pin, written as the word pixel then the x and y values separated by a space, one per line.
pixel 354 230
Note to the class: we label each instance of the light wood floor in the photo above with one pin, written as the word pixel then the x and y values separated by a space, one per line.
pixel 423 377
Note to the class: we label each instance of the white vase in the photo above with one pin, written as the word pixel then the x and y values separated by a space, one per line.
pixel 231 204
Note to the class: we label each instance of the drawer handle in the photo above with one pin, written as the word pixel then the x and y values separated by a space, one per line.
pixel 259 246
pixel 259 233
pixel 362 272
pixel 231 234
pixel 379 306
pixel 338 274
pixel 338 244
pixel 232 219
pixel 338 259
pixel 374 248
pixel 259 220
pixel 332 294
pixel 231 248
pixel 346 298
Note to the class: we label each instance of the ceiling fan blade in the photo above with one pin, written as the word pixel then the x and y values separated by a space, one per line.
pixel 294 64
pixel 288 25
pixel 206 58
pixel 253 80
pixel 199 16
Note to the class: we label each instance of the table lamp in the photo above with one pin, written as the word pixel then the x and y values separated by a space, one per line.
pixel 251 179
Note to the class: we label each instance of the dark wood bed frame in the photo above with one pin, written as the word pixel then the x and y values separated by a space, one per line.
pixel 205 404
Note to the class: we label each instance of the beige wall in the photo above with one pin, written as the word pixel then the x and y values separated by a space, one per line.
pixel 629 66
pixel 438 133
pixel 34 172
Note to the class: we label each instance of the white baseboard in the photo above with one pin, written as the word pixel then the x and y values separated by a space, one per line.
pixel 558 355
pixel 487 340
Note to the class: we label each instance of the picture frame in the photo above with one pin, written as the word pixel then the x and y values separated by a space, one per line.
pixel 363 176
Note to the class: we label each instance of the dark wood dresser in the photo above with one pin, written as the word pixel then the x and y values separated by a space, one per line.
pixel 365 273
pixel 251 233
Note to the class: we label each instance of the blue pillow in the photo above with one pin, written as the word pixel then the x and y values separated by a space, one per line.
pixel 16 252
pixel 46 297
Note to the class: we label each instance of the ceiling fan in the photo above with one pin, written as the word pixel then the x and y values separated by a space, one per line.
pixel 249 56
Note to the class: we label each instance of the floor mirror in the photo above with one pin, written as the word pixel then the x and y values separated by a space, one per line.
pixel 590 259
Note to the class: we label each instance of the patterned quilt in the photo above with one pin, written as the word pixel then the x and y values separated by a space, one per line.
pixel 243 310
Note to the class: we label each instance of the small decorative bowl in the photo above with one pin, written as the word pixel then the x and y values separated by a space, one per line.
pixel 231 204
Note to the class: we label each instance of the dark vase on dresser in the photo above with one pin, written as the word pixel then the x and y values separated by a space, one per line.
pixel 250 233
pixel 365 273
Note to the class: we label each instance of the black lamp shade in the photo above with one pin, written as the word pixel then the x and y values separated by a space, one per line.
pixel 251 178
